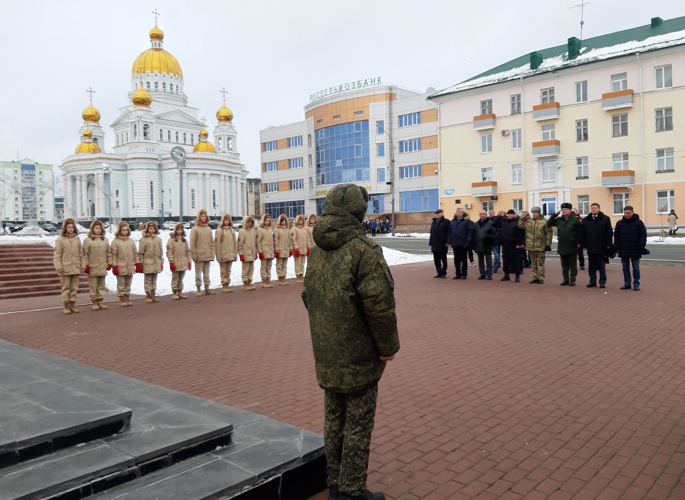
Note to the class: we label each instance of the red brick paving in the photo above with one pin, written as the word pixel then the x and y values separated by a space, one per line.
pixel 500 390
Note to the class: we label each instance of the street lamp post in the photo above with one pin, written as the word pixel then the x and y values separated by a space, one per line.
pixel 391 183
pixel 178 154
pixel 108 171
pixel 162 220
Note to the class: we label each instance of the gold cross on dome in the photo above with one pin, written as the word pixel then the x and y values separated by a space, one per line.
pixel 90 93
pixel 223 91
pixel 156 14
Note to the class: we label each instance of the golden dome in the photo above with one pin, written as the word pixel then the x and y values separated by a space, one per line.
pixel 87 133
pixel 203 133
pixel 90 114
pixel 204 147
pixel 87 146
pixel 156 33
pixel 158 60
pixel 224 114
pixel 141 97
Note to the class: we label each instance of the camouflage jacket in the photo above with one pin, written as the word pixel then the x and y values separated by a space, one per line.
pixel 349 295
pixel 538 234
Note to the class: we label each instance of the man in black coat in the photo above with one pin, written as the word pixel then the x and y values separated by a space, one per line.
pixel 512 240
pixel 595 236
pixel 438 243
pixel 630 239
pixel 483 241
pixel 459 238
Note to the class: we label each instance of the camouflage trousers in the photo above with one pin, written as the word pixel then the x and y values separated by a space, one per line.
pixel 537 260
pixel 347 437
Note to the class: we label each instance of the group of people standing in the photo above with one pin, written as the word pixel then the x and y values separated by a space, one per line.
pixel 95 257
pixel 527 239
pixel 377 226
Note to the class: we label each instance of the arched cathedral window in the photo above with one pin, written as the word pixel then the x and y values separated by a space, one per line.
pixel 146 132
pixel 220 143
pixel 229 144
pixel 156 86
pixel 161 135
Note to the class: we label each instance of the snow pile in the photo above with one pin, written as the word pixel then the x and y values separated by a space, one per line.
pixel 418 236
pixel 668 240
pixel 31 231
pixel 81 229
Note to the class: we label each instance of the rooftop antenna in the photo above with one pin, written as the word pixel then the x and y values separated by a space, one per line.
pixel 582 5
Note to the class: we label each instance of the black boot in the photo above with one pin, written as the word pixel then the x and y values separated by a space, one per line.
pixel 563 283
pixel 505 278
pixel 518 279
pixel 366 495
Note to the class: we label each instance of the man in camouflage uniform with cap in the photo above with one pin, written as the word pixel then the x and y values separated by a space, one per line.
pixel 349 295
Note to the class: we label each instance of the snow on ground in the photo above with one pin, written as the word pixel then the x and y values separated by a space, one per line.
pixel 668 240
pixel 419 236
pixel 392 257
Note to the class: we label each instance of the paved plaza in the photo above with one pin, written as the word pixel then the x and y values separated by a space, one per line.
pixel 500 390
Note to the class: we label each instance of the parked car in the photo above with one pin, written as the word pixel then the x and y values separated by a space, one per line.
pixel 170 224
pixel 133 226
pixel 18 227
pixel 9 226
pixel 214 224
pixel 50 228
pixel 238 223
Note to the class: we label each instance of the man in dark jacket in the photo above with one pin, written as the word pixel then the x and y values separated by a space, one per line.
pixel 459 237
pixel 349 296
pixel 512 239
pixel 438 243
pixel 483 240
pixel 568 234
pixel 595 236
pixel 497 247
pixel 581 255
pixel 630 239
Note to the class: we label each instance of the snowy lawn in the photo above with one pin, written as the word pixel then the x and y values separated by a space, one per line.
pixel 393 257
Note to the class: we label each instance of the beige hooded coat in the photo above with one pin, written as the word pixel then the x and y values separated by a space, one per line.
pixel 265 240
pixel 201 240
pixel 247 241
pixel 123 251
pixel 310 229
pixel 224 242
pixel 96 251
pixel 299 236
pixel 282 238
pixel 68 251
pixel 150 253
pixel 178 250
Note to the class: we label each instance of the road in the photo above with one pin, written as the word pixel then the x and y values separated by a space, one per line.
pixel 661 255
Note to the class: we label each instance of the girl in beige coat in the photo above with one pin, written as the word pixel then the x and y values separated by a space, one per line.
pixel 68 262
pixel 202 251
pixel 299 240
pixel 311 222
pixel 123 262
pixel 247 249
pixel 282 248
pixel 178 253
pixel 151 257
pixel 265 249
pixel 98 260
pixel 226 250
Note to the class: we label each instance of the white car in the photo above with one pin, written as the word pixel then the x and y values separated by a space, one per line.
pixel 170 224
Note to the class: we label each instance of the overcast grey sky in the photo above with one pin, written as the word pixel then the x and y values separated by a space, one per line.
pixel 270 55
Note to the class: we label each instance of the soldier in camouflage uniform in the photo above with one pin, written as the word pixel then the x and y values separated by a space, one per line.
pixel 349 295
pixel 538 241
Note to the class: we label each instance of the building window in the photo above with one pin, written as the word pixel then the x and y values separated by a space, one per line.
pixel 419 201
pixel 583 204
pixel 486 143
pixel 176 137
pixel 486 174
pixel 219 142
pixel 147 84
pixel 381 175
pixel 156 86
pixel 664 119
pixel 192 139
pixel 410 145
pixel 410 119
pixel 620 161
pixel 295 163
pixel 547 95
pixel 342 153
pixel 126 136
pixel 168 135
pixel 548 132
pixel 117 140
pixel 582 168
pixel 664 77
pixel 380 150
pixel 620 200
pixel 290 208
pixel 486 107
pixel 517 173
pixel 665 201
pixel 309 140
pixel 581 130
pixel 516 138
pixel 185 138
pixel 380 126
pixel 549 171
pixel 296 185
pixel 271 187
pixel 336 117
pixel 410 172
pixel 229 143
pixel 376 204
pixel 163 86
pixel 581 91
pixel 357 113
pixel 488 205
pixel 310 160
pixel 152 195
pixel 516 104
pixel 665 160
pixel 294 142
pixel 318 121
pixel 135 131
pixel 171 88
pixel 619 125
pixel 270 146
pixel 161 135
pixel 619 82
pixel 192 199
pixel 517 205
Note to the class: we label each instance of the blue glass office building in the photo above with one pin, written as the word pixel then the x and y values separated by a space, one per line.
pixel 342 153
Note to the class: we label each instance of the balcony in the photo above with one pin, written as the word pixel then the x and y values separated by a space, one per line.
pixel 617 100
pixel 484 122
pixel 547 148
pixel 480 189
pixel 549 111
pixel 618 178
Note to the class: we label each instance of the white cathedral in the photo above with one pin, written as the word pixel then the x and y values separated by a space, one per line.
pixel 140 180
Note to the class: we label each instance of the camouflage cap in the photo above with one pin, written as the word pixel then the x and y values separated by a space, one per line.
pixel 348 198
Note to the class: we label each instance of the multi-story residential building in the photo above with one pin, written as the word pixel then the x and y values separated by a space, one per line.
pixel 589 121
pixel 355 136
pixel 26 191
pixel 254 201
